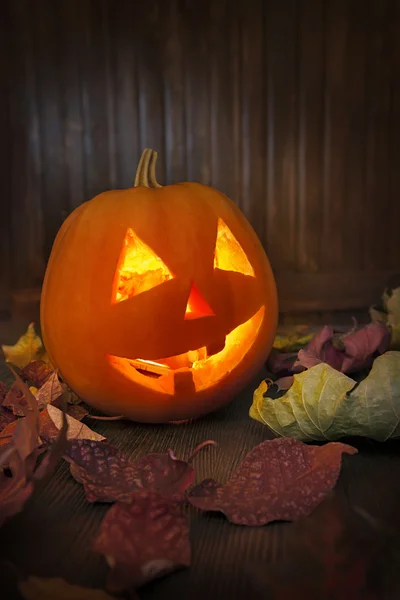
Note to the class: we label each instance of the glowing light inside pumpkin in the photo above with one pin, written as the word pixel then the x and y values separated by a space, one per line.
pixel 205 371
pixel 197 306
pixel 139 269
pixel 229 255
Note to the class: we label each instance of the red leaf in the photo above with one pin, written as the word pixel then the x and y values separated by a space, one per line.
pixel 281 363
pixel 50 391
pixel 279 480
pixel 321 349
pixel 346 353
pixel 143 540
pixel 37 372
pixel 108 476
pixel 362 345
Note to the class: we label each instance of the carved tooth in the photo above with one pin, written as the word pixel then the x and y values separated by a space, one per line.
pixel 215 347
pixel 183 382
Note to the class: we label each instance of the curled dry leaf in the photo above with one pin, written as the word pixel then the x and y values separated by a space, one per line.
pixel 282 363
pixel 50 391
pixel 108 476
pixel 389 314
pixel 324 404
pixel 37 372
pixel 37 588
pixel 28 348
pixel 293 339
pixel 3 391
pixel 347 353
pixel 51 422
pixel 279 480
pixel 6 417
pixel 143 540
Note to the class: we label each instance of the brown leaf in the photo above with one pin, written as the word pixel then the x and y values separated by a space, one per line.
pixel 37 588
pixel 76 429
pixel 6 417
pixel 77 412
pixel 143 540
pixel 108 476
pixel 279 480
pixel 3 391
pixel 50 391
pixel 37 372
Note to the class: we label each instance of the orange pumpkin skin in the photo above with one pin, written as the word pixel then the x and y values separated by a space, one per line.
pixel 94 339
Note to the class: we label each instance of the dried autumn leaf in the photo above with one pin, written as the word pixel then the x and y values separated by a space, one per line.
pixel 282 363
pixel 6 417
pixel 324 404
pixel 76 429
pixel 28 348
pixel 294 339
pixel 108 476
pixel 15 400
pixel 389 313
pixel 37 588
pixel 36 372
pixel 143 540
pixel 3 391
pixel 77 412
pixel 347 353
pixel 279 480
pixel 50 391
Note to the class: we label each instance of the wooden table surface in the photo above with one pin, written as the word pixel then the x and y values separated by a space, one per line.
pixel 52 536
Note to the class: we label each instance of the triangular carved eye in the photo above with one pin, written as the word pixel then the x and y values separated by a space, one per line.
pixel 139 269
pixel 229 254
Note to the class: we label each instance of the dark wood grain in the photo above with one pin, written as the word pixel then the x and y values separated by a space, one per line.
pixel 53 535
pixel 289 107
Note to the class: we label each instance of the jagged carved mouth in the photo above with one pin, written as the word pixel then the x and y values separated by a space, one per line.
pixel 196 369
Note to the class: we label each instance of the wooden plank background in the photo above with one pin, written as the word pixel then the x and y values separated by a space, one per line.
pixel 291 107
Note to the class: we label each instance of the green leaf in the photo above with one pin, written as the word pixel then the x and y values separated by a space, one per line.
pixel 36 588
pixel 324 404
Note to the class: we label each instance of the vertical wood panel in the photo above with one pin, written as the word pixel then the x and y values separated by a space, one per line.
pixel 124 63
pixel 311 84
pixel 374 223
pixel 197 99
pixel 282 132
pixel 335 135
pixel 291 107
pixel 174 92
pixel 28 192
pixel 392 258
pixel 5 158
pixel 356 136
pixel 254 130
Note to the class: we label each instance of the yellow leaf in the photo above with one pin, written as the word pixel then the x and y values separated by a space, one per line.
pixel 28 348
pixel 291 340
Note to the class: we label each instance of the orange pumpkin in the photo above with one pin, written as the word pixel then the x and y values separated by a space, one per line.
pixel 158 303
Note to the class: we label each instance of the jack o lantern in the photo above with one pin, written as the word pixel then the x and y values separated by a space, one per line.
pixel 158 303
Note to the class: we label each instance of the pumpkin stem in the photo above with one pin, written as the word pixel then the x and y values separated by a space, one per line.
pixel 146 171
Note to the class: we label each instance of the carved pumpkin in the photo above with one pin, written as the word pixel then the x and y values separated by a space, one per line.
pixel 158 302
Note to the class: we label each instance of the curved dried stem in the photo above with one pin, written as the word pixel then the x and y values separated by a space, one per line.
pixel 146 171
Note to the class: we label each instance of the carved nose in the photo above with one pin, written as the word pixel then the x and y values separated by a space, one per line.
pixel 197 306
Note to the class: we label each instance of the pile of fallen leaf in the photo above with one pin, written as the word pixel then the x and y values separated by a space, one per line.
pixel 145 532
pixel 331 385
